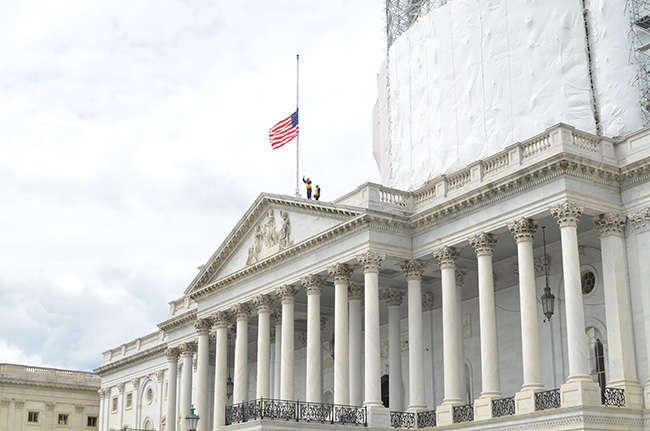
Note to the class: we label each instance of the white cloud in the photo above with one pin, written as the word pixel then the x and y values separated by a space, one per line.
pixel 134 135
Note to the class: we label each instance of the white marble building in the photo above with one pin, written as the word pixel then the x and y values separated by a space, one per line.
pixel 425 300
pixel 36 398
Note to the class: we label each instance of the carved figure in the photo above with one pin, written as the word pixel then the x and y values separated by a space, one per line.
pixel 285 230
pixel 270 236
pixel 256 247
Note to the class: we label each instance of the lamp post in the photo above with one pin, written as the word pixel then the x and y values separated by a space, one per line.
pixel 192 420
pixel 547 299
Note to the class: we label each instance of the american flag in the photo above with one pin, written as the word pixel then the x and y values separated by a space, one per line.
pixel 284 131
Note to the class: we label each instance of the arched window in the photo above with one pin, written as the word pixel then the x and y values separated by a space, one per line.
pixel 148 424
pixel 596 356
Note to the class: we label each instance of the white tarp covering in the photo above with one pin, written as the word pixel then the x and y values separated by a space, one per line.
pixel 474 76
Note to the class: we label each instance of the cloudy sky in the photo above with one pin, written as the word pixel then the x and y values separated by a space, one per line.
pixel 134 135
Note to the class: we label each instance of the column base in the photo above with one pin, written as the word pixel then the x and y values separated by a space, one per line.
pixel 634 393
pixel 483 407
pixel 417 408
pixel 445 412
pixel 646 394
pixel 378 416
pixel 579 392
pixel 525 400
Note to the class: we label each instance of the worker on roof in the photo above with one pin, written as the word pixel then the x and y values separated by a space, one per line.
pixel 317 192
pixel 308 184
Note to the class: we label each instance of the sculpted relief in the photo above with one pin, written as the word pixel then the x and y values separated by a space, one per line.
pixel 267 240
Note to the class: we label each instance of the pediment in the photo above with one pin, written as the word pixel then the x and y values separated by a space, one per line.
pixel 272 225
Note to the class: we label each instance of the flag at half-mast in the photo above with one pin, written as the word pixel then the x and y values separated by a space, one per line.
pixel 284 131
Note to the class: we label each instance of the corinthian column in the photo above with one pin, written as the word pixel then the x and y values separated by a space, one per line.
pixel 341 273
pixel 524 230
pixel 371 263
pixel 313 287
pixel 172 365
pixel 620 340
pixel 641 221
pixel 202 327
pixel 483 245
pixel 187 351
pixel 579 389
pixel 447 258
pixel 221 320
pixel 355 295
pixel 413 269
pixel 263 303
pixel 242 314
pixel 393 299
pixel 287 296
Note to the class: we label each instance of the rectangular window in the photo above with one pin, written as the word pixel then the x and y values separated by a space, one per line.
pixel 114 405
pixel 63 418
pixel 91 422
pixel 129 400
pixel 32 417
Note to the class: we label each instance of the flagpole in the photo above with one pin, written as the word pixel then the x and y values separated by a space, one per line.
pixel 298 136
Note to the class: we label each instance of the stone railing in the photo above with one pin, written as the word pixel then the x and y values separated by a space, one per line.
pixel 298 411
pixel 48 374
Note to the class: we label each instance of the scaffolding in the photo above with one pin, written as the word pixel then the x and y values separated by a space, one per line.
pixel 639 12
pixel 401 14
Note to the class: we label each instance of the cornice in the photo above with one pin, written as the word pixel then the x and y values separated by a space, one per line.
pixel 245 225
pixel 50 385
pixel 494 192
pixel 174 322
pixel 133 359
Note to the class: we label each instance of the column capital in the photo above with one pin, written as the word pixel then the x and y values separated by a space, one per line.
pixel 221 319
pixel 393 296
pixel 461 273
pixel 523 229
pixel 484 243
pixel 135 382
pixel 447 257
pixel 172 354
pixel 287 293
pixel 370 261
pixel 427 301
pixel 276 315
pixel 242 311
pixel 49 405
pixel 323 321
pixel 640 220
pixel 188 348
pixel 120 388
pixel 313 284
pixel 340 272
pixel 355 291
pixel 264 303
pixel 609 224
pixel 203 326
pixel 413 268
pixel 567 213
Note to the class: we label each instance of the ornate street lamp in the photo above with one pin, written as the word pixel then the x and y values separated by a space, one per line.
pixel 547 299
pixel 192 420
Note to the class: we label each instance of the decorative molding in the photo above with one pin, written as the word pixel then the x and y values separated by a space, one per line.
pixel 287 294
pixel 264 303
pixel 177 321
pixel 355 291
pixel 5 402
pixel 135 382
pixel 323 322
pixel 120 387
pixel 188 348
pixel 370 261
pixel 172 354
pixel 340 272
pixel 313 284
pixel 523 229
pixel 20 403
pixel 79 408
pixel 427 301
pixel 567 214
pixel 447 257
pixel 460 274
pixel 276 315
pixel 159 375
pixel 484 243
pixel 640 220
pixel 241 311
pixel 610 224
pixel 221 319
pixel 49 405
pixel 413 268
pixel 203 326
pixel 393 296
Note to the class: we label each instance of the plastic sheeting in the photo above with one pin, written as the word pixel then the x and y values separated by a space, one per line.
pixel 475 76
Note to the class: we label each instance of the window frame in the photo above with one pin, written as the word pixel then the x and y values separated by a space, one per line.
pixel 38 417
pixel 96 419
pixel 65 417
